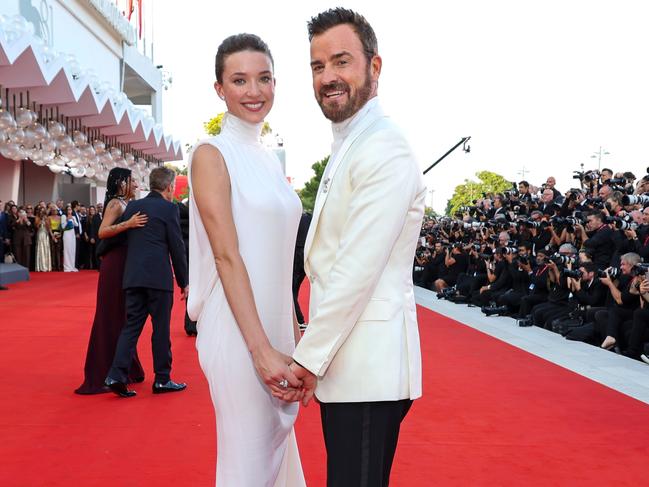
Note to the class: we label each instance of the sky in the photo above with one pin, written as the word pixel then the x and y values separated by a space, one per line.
pixel 539 86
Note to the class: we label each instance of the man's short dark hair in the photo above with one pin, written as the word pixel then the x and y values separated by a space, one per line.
pixel 599 214
pixel 524 183
pixel 239 43
pixel 160 178
pixel 607 169
pixel 589 266
pixel 340 16
pixel 74 204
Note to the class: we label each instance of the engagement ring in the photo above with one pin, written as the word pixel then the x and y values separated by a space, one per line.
pixel 283 383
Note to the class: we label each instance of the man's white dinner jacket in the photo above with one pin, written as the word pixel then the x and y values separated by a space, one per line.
pixel 362 340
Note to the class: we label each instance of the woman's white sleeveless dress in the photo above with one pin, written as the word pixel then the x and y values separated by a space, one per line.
pixel 256 445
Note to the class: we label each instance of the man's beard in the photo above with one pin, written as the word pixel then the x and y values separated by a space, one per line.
pixel 340 113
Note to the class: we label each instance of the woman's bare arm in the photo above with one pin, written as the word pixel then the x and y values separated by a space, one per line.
pixel 211 191
pixel 112 212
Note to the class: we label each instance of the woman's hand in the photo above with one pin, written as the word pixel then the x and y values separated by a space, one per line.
pixel 273 367
pixel 137 221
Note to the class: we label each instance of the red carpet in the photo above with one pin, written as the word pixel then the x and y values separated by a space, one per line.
pixel 491 415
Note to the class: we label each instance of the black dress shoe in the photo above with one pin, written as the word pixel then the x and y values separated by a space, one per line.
pixel 119 388
pixel 170 386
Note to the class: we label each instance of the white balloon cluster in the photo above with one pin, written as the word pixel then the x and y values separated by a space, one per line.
pixel 23 137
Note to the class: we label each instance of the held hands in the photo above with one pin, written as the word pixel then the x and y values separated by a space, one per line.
pixel 184 293
pixel 137 221
pixel 273 368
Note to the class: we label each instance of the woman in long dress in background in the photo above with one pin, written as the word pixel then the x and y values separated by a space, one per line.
pixel 68 225
pixel 43 250
pixel 243 223
pixel 110 311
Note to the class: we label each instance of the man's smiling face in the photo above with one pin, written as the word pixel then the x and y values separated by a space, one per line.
pixel 343 80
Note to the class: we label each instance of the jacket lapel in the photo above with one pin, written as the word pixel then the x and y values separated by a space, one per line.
pixel 325 184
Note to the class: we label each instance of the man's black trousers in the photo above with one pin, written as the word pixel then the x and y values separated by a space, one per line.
pixel 140 303
pixel 361 438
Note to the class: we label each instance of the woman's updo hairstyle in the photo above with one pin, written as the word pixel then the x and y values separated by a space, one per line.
pixel 238 43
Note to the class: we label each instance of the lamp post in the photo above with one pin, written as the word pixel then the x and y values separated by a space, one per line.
pixel 598 155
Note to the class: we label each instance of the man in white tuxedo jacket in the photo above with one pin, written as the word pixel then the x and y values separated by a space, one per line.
pixel 362 342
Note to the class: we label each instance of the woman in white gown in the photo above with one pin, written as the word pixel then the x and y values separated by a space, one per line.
pixel 68 224
pixel 243 224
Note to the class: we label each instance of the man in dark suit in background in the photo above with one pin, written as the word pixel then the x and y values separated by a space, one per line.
pixel 298 265
pixel 148 283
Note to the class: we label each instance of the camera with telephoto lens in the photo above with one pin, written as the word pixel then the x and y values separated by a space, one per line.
pixel 535 224
pixel 597 203
pixel 559 259
pixel 640 269
pixel 574 273
pixel 622 223
pixel 640 199
pixel 613 272
pixel 487 257
pixel 508 250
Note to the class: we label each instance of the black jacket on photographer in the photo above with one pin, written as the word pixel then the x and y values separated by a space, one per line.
pixel 539 280
pixel 559 291
pixel 600 245
pixel 503 277
pixel 629 301
pixel 520 279
pixel 591 295
pixel 541 240
pixel 641 242
pixel 621 244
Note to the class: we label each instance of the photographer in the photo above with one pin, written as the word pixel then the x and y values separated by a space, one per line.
pixel 558 297
pixel 431 265
pixel 498 277
pixel 598 240
pixel 623 300
pixel 476 274
pixel 548 204
pixel 539 285
pixel 540 235
pixel 524 195
pixel 456 262
pixel 638 333
pixel 519 269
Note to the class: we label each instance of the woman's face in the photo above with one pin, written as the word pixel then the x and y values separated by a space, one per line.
pixel 68 211
pixel 132 187
pixel 92 211
pixel 14 210
pixel 248 85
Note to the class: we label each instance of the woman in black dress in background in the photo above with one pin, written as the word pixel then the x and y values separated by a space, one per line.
pixel 110 312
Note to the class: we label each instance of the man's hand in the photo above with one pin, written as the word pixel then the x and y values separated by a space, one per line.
pixel 607 281
pixel 309 382
pixel 273 368
pixel 184 293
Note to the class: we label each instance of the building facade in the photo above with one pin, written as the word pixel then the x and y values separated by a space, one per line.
pixel 80 94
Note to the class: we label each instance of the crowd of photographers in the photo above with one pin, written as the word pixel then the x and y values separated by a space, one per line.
pixel 571 263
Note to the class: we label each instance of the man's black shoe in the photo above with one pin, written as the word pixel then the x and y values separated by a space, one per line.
pixel 119 388
pixel 170 386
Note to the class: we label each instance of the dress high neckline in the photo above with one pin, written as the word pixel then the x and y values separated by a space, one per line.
pixel 247 132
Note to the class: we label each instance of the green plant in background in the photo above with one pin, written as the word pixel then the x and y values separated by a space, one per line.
pixel 310 190
pixel 489 182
